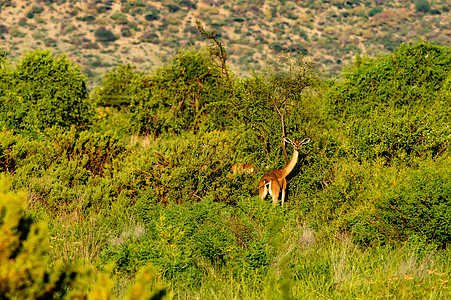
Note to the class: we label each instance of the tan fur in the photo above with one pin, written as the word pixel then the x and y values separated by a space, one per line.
pixel 242 168
pixel 275 181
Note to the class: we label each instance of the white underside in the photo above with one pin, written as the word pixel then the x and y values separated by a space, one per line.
pixel 269 188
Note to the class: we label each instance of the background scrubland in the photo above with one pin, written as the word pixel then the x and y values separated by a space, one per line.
pixel 101 34
pixel 128 190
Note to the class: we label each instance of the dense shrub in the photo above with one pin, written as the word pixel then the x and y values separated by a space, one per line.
pixel 188 240
pixel 126 32
pixel 411 76
pixel 392 114
pixel 416 207
pixel 104 35
pixel 29 272
pixel 115 86
pixel 184 235
pixel 64 168
pixel 150 37
pixel 190 168
pixel 394 107
pixel 375 10
pixel 422 6
pixel 152 15
pixel 87 18
pixel 24 256
pixel 119 18
pixel 298 48
pixel 43 91
pixel 185 95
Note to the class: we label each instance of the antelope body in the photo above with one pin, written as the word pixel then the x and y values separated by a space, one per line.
pixel 275 180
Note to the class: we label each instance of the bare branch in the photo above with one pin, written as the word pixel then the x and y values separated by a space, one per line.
pixel 217 51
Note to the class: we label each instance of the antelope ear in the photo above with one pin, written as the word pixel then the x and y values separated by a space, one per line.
pixel 305 141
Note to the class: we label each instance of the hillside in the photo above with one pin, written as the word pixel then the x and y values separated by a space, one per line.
pixel 101 34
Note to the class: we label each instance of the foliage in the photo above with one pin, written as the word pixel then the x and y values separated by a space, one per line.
pixel 412 75
pixel 190 239
pixel 152 15
pixel 24 256
pixel 191 168
pixel 368 201
pixel 416 207
pixel 63 169
pixel 394 107
pixel 391 114
pixel 422 6
pixel 104 35
pixel 115 86
pixel 43 91
pixel 28 271
pixel 375 10
pixel 187 94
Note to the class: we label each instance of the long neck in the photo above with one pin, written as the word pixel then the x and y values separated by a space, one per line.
pixel 294 159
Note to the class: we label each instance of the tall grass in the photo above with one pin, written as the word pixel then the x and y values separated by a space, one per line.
pixel 335 269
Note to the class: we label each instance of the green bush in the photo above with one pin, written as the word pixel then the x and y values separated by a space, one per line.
pixel 104 35
pixel 119 18
pixel 115 86
pixel 416 207
pixel 87 18
pixel 152 15
pixel 412 75
pixel 391 116
pixel 298 49
pixel 43 91
pixel 375 10
pixel 24 258
pixel 422 6
pixel 187 94
pixel 187 241
pixel 63 169
pixel 276 46
pixel 394 107
pixel 126 32
pixel 189 168
pixel 150 37
pixel 28 270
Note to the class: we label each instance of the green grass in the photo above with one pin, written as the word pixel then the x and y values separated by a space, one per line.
pixel 302 264
pixel 335 269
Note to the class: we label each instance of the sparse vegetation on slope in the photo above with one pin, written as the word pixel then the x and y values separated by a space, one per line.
pixel 102 34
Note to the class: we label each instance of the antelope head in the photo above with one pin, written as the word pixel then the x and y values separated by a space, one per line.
pixel 297 144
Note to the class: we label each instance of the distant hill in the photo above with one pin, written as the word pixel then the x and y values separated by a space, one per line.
pixel 100 34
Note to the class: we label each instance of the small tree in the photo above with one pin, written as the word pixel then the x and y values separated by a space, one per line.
pixel 186 94
pixel 44 91
pixel 283 84
pixel 104 35
pixel 217 52
pixel 422 6
pixel 115 87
